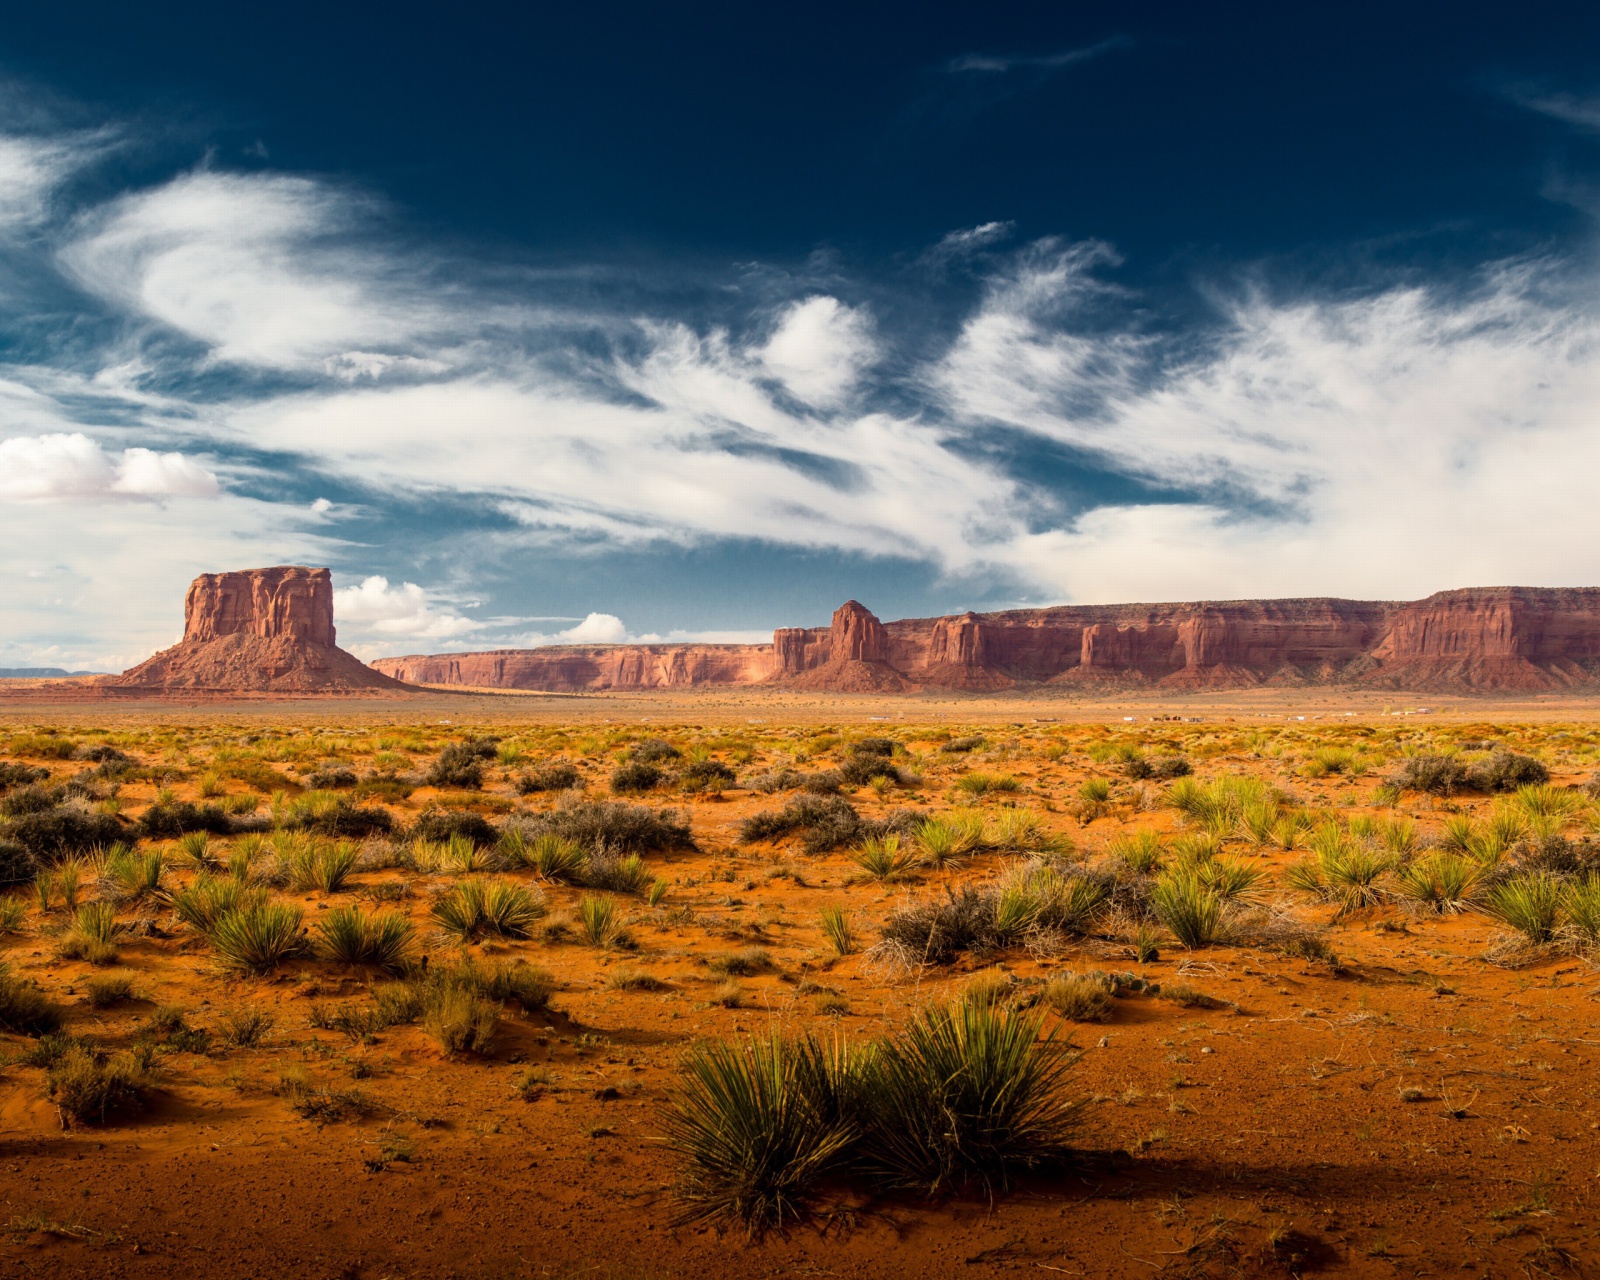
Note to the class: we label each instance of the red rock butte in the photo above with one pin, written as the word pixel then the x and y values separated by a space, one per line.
pixel 1489 639
pixel 257 631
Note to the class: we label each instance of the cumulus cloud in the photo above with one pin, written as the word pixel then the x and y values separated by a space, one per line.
pixel 67 467
pixel 819 349
pixel 375 607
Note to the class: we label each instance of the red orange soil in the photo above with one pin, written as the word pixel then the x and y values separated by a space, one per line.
pixel 1269 1136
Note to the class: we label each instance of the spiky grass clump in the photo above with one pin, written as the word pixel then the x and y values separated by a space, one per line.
pixel 761 1125
pixel 938 844
pixel 195 851
pixel 1442 882
pixel 102 993
pixel 1230 879
pixel 24 1008
pixel 839 931
pixel 1141 852
pixel 1528 903
pixel 133 877
pixel 557 859
pixel 477 907
pixel 459 1017
pixel 207 900
pixel 350 936
pixel 617 873
pixel 969 1094
pixel 1022 831
pixel 92 935
pixel 259 937
pixel 1581 901
pixel 882 859
pixel 599 922
pixel 1191 912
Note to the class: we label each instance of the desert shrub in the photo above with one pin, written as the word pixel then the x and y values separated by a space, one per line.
pixel 969 1094
pixel 92 935
pixel 839 931
pixel 207 899
pixel 633 776
pixel 618 873
pixel 327 813
pixel 17 865
pixel 459 1018
pixel 881 747
pixel 389 787
pixel 828 822
pixel 102 993
pixel 1163 768
pixel 1528 903
pixel 24 1008
pixel 528 985
pixel 1555 854
pixel 163 821
pixel 1079 997
pixel 44 746
pixel 557 776
pixel 1442 882
pixel 760 1125
pixel 348 935
pixel 13 774
pixel 477 907
pixel 935 931
pixel 63 831
pixel 91 1088
pixel 1191 912
pixel 744 963
pixel 981 784
pixel 1141 852
pixel 13 913
pixel 245 1028
pixel 613 826
pixel 1506 771
pixel 442 825
pixel 33 799
pixel 130 876
pixel 258 937
pixel 460 765
pixel 258 775
pixel 706 775
pixel 599 922
pixel 859 769
pixel 1431 772
pixel 331 778
pixel 1581 902
pixel 555 858
pixel 882 859
pixel 958 746
pixel 652 751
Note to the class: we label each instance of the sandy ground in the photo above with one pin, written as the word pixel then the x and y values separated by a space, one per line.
pixel 1419 1110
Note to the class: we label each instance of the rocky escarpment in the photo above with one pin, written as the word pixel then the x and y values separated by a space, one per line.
pixel 1489 639
pixel 257 631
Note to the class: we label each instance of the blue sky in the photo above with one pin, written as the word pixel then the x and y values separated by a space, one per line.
pixel 592 322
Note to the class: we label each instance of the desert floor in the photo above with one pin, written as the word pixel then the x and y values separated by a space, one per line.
pixel 1422 1099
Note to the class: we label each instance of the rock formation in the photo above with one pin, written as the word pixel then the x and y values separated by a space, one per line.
pixel 1489 639
pixel 257 631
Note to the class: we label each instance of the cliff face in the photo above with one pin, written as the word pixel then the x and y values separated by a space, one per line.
pixel 1499 638
pixel 578 669
pixel 257 631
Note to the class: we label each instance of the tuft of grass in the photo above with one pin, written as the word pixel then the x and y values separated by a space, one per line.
pixel 13 915
pixel 91 937
pixel 744 963
pixel 968 1094
pixel 1442 882
pixel 477 907
pixel 1581 901
pixel 938 843
pixel 24 1008
pixel 195 851
pixel 460 1018
pixel 619 874
pixel 635 980
pixel 1191 912
pixel 1528 903
pixel 102 993
pixel 245 1028
pixel 259 937
pixel 753 1121
pixel 90 1088
pixel 1142 852
pixel 838 930
pixel 348 935
pixel 557 859
pixel 1079 997
pixel 599 922
pixel 132 877
pixel 207 900
pixel 882 859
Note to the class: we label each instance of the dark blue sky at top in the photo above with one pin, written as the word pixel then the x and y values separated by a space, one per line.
pixel 711 163
pixel 618 130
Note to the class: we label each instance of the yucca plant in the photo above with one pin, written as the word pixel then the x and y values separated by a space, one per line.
pixel 882 859
pixel 1581 901
pixel 1442 882
pixel 1191 912
pixel 1290 831
pixel 195 851
pixel 12 915
pixel 509 910
pixel 619 873
pixel 258 937
pixel 93 933
pixel 69 879
pixel 1019 830
pixel 1528 903
pixel 348 935
pixel 208 899
pixel 599 922
pixel 1258 820
pixel 44 889
pixel 1460 833
pixel 244 857
pixel 132 877
pixel 1192 850
pixel 297 859
pixel 753 1122
pixel 334 864
pixel 938 843
pixel 1398 836
pixel 964 1095
pixel 1352 873
pixel 459 1018
pixel 1229 878
pixel 1142 852
pixel 557 859
pixel 1546 801
pixel 838 930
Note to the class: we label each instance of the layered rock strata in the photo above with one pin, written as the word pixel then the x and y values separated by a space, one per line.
pixel 257 631
pixel 1488 639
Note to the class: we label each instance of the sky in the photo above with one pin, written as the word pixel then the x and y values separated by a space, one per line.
pixel 560 324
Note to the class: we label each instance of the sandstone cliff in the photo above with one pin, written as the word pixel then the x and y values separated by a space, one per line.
pixel 257 631
pixel 1497 638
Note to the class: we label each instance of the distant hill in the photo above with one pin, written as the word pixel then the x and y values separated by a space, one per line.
pixel 42 673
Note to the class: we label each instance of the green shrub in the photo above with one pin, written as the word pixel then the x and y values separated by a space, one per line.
pixel 836 927
pixel 24 1008
pixel 1191 912
pixel 259 937
pixel 1432 773
pixel 619 874
pixel 459 1018
pixel 635 776
pixel 599 923
pixel 459 766
pixel 91 1088
pixel 1528 903
pixel 557 776
pixel 881 859
pixel 1079 997
pixel 350 936
pixel 964 1095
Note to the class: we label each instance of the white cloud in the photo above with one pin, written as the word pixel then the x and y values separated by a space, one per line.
pixel 31 168
pixel 374 607
pixel 597 628
pixel 68 467
pixel 819 350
